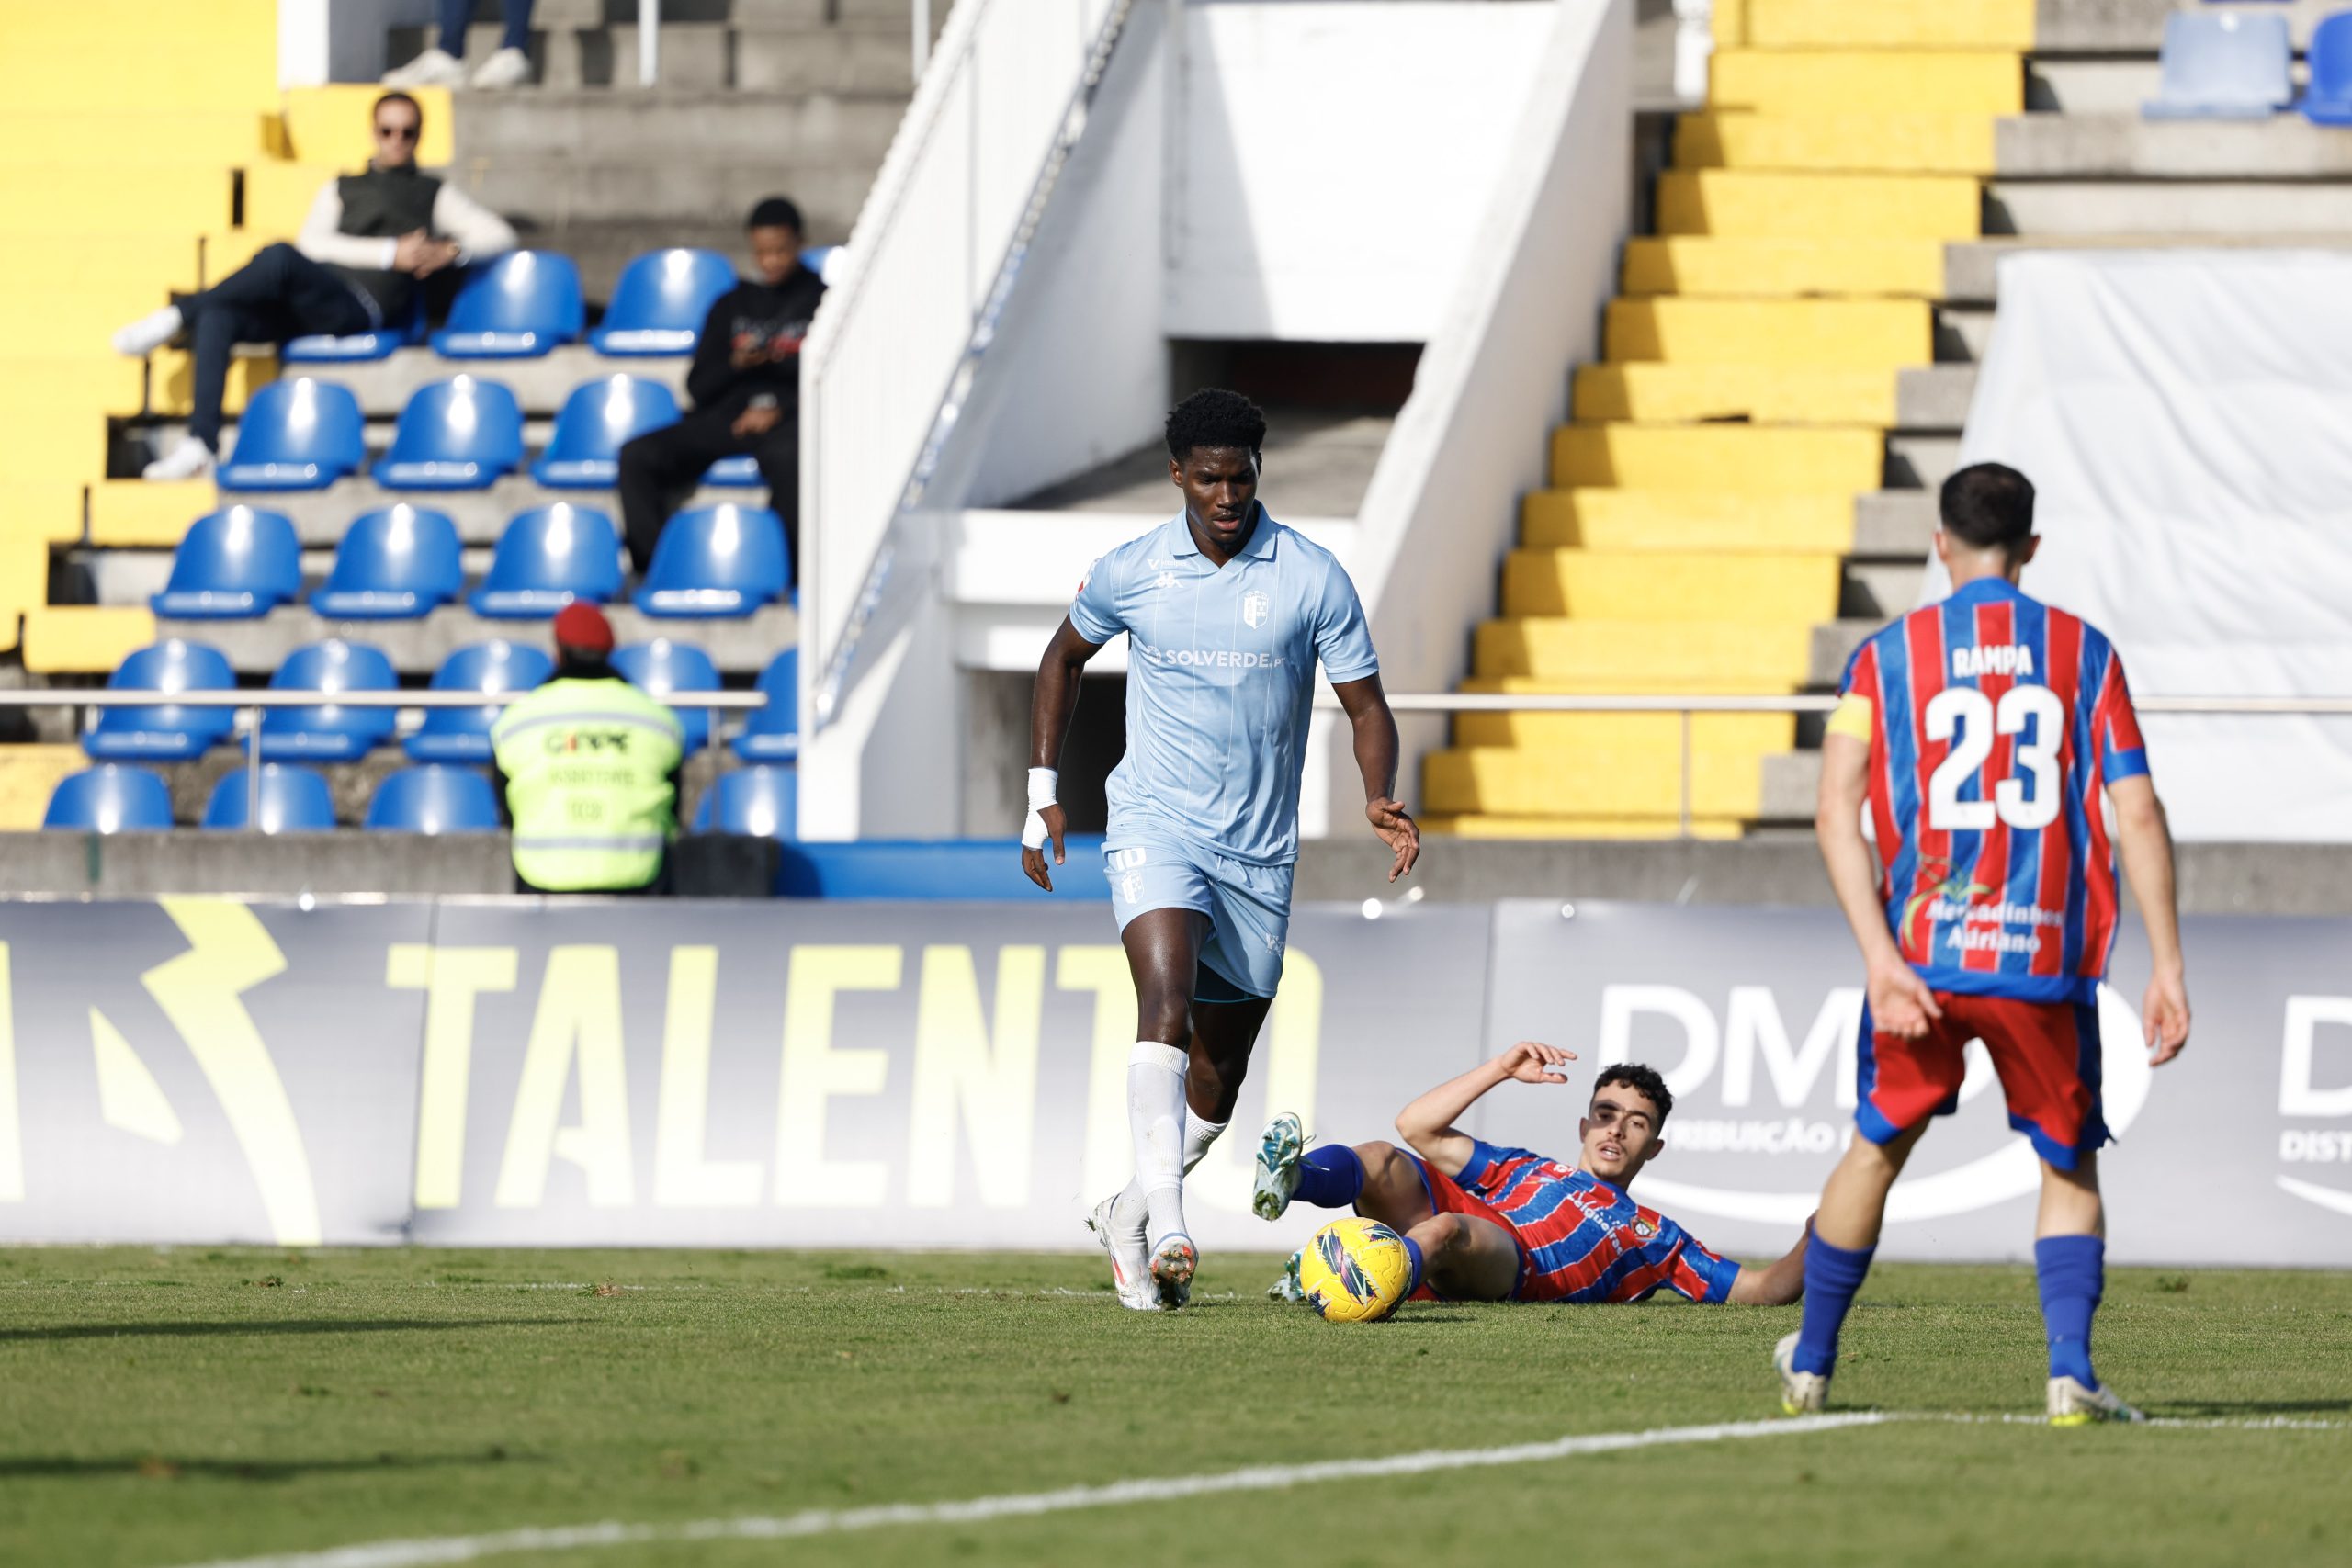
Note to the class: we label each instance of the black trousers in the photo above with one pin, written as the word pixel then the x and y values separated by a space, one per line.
pixel 279 293
pixel 659 469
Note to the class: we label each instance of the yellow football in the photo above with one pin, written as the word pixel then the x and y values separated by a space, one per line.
pixel 1355 1271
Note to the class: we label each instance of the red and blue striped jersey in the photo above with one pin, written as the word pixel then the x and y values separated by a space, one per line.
pixel 1583 1240
pixel 1995 722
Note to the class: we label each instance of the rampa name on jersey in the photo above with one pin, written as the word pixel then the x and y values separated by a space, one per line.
pixel 2005 659
pixel 1211 658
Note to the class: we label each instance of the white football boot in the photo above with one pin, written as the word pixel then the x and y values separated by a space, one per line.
pixel 2071 1404
pixel 1280 1148
pixel 149 333
pixel 1121 1239
pixel 436 67
pixel 1802 1394
pixel 1288 1288
pixel 188 459
pixel 1173 1262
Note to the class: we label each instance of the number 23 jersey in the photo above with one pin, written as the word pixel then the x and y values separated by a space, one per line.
pixel 1994 722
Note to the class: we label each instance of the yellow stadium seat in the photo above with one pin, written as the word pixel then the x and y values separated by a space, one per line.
pixel 1687 520
pixel 178 138
pixel 29 776
pixel 1768 394
pixel 84 639
pixel 1888 24
pixel 1889 143
pixel 331 125
pixel 172 390
pixel 1569 734
pixel 1637 781
pixel 47 510
pixel 1555 654
pixel 1799 82
pixel 1732 204
pixel 1750 459
pixel 277 197
pixel 1850 335
pixel 1659 585
pixel 121 198
pixel 254 21
pixel 133 514
pixel 1783 268
pixel 105 382
pixel 1478 826
pixel 224 251
pixel 150 266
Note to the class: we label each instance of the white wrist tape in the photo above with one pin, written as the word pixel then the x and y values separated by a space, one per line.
pixel 1041 795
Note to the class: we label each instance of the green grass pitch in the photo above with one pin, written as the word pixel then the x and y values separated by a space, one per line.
pixel 166 1407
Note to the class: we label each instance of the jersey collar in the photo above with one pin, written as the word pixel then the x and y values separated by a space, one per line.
pixel 1985 588
pixel 1260 548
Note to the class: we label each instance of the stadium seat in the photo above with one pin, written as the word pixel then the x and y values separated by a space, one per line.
pixel 937 868
pixel 547 558
pixel 735 473
pixel 167 732
pixel 301 434
pixel 2223 66
pixel 233 564
pixel 518 307
pixel 665 669
pixel 595 421
pixel 2328 99
pixel 660 301
pixel 434 798
pixel 763 800
pixel 462 434
pixel 716 561
pixel 294 800
pixel 395 563
pixel 463 735
pixel 772 733
pixel 327 733
pixel 359 348
pixel 112 797
pixel 820 260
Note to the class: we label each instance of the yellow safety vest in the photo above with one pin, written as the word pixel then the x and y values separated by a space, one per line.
pixel 588 766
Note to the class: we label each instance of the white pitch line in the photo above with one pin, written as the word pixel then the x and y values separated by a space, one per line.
pixel 833 1521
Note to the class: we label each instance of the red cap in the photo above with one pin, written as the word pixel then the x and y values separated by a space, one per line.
pixel 582 625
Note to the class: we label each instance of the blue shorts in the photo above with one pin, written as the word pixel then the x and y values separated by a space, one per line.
pixel 1248 906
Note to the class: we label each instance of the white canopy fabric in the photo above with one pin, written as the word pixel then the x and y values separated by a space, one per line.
pixel 2186 418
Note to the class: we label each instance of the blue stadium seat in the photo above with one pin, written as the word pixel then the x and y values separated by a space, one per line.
pixel 433 799
pixel 820 260
pixel 395 563
pixel 299 434
pixel 716 561
pixel 233 564
pixel 665 669
pixel 772 733
pixel 294 800
pixel 735 473
pixel 327 733
pixel 597 419
pixel 2328 99
pixel 547 558
pixel 764 801
pixel 359 347
pixel 463 735
pixel 660 302
pixel 462 434
pixel 2223 66
pixel 167 732
pixel 973 869
pixel 112 797
pixel 517 307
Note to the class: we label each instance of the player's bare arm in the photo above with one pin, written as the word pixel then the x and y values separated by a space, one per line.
pixel 1428 1123
pixel 1779 1285
pixel 1051 705
pixel 1374 731
pixel 2144 843
pixel 1900 1001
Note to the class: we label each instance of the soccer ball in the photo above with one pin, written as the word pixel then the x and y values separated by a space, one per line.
pixel 1355 1271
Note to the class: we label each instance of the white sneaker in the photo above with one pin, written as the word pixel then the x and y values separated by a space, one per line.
pixel 188 460
pixel 1173 1262
pixel 1122 1237
pixel 149 333
pixel 1802 1394
pixel 1279 1148
pixel 435 68
pixel 504 68
pixel 2074 1405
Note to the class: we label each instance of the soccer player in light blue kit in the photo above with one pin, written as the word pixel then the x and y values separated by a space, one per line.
pixel 1226 613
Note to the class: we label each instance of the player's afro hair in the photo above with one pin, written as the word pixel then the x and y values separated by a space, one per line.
pixel 1215 417
pixel 1635 1076
pixel 1988 507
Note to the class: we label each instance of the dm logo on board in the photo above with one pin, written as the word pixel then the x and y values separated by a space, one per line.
pixel 1253 610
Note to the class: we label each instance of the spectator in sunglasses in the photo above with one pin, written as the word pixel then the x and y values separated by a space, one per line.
pixel 370 241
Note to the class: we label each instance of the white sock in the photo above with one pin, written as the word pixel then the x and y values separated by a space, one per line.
pixel 1156 1119
pixel 149 333
pixel 1198 1136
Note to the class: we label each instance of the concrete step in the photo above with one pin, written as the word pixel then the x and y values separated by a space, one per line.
pixel 1790 787
pixel 319 516
pixel 673 128
pixel 555 194
pixel 2092 85
pixel 2036 207
pixel 1916 461
pixel 1972 268
pixel 384 387
pixel 869 48
pixel 1894 523
pixel 417 647
pixel 1934 397
pixel 1833 643
pixel 2124 146
pixel 2137 27
pixel 1880 591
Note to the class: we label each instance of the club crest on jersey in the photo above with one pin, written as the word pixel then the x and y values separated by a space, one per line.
pixel 1254 609
pixel 1645 1228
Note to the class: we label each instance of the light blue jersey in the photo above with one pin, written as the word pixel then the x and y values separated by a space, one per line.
pixel 1221 680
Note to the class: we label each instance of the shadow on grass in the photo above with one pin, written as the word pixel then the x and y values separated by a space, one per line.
pixel 2192 1409
pixel 164 1467
pixel 266 1326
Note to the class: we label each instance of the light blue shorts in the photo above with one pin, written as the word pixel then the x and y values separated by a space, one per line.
pixel 1248 906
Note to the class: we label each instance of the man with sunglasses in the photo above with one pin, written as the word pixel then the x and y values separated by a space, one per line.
pixel 370 241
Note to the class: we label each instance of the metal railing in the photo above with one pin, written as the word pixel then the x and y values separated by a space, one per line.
pixel 250 705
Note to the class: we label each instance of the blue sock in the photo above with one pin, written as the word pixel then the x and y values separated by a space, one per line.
pixel 1832 1275
pixel 1420 1265
pixel 1330 1177
pixel 2073 1272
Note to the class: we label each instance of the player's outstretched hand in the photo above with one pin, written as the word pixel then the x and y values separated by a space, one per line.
pixel 1397 831
pixel 1901 1003
pixel 1033 856
pixel 2164 1012
pixel 1530 1062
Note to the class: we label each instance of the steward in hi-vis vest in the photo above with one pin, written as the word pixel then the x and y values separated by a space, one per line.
pixel 588 769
